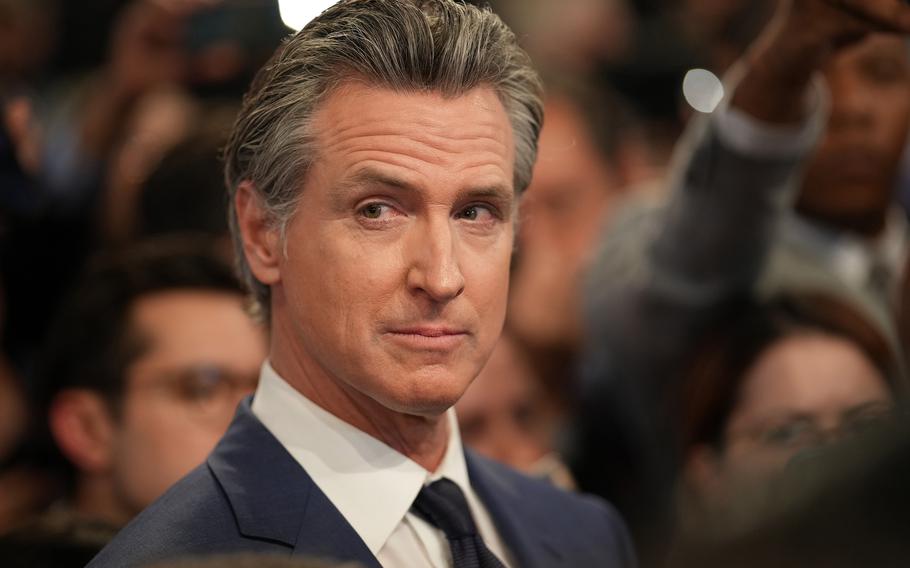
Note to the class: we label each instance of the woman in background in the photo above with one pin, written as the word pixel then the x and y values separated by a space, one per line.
pixel 772 382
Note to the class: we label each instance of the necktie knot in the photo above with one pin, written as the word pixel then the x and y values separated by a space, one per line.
pixel 443 505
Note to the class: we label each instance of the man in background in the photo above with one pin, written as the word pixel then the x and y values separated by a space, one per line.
pixel 590 159
pixel 145 366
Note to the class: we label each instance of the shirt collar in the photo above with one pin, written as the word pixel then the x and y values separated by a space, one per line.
pixel 851 256
pixel 371 484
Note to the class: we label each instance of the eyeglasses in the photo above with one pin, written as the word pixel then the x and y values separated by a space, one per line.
pixel 208 390
pixel 804 432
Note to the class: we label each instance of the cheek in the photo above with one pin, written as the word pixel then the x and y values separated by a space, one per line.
pixel 897 135
pixel 341 272
pixel 893 116
pixel 755 464
pixel 483 443
pixel 488 280
pixel 158 445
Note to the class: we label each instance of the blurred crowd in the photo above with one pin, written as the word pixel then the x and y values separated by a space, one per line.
pixel 726 368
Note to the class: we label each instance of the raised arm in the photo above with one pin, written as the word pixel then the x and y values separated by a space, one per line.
pixel 663 270
pixel 733 174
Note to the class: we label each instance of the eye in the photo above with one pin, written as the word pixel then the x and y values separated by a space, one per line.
pixel 473 427
pixel 379 215
pixel 884 70
pixel 560 204
pixel 202 384
pixel 376 214
pixel 476 213
pixel 791 434
pixel 373 210
pixel 866 417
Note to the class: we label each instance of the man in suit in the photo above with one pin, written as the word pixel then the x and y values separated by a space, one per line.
pixel 139 379
pixel 374 174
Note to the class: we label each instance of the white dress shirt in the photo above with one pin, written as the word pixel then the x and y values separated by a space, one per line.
pixel 372 485
pixel 858 261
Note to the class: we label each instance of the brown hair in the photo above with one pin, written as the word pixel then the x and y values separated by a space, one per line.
pixel 713 380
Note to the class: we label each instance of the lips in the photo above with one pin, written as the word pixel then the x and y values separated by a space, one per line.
pixel 428 337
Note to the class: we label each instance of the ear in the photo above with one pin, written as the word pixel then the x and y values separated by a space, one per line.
pixel 261 241
pixel 702 472
pixel 81 424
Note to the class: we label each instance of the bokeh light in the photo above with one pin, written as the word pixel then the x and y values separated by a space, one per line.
pixel 297 13
pixel 702 90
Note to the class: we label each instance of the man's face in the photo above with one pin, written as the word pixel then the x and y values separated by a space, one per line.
pixel 394 273
pixel 850 179
pixel 203 354
pixel 561 215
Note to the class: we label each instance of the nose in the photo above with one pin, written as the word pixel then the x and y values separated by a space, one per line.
pixel 851 105
pixel 434 269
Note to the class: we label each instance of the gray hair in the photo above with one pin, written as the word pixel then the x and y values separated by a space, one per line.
pixel 406 45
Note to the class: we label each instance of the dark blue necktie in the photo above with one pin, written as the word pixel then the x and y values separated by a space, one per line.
pixel 442 504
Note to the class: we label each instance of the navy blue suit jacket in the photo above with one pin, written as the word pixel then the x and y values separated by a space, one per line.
pixel 252 496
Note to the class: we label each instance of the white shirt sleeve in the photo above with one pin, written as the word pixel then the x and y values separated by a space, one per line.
pixel 750 136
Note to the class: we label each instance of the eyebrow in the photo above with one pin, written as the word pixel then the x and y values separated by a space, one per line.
pixel 859 409
pixel 779 418
pixel 371 176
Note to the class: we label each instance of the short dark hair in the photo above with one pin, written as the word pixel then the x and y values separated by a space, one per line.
pixel 91 343
pixel 747 328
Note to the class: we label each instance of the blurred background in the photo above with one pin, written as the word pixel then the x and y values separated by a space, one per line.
pixel 113 240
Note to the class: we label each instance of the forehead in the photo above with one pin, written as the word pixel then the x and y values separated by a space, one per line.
pixel 415 135
pixel 810 371
pixel 189 326
pixel 566 147
pixel 564 123
pixel 876 47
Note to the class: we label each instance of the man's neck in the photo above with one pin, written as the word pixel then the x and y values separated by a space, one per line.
pixel 423 439
pixel 96 498
pixel 870 225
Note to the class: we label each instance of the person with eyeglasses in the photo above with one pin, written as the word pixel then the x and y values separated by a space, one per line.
pixel 141 375
pixel 770 382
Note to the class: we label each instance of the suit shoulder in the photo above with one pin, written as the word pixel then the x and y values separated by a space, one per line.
pixel 192 517
pixel 544 494
pixel 578 519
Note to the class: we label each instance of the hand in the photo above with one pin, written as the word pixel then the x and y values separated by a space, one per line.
pixel 841 22
pixel 799 41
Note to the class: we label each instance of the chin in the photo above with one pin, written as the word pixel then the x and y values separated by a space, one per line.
pixel 427 398
pixel 423 404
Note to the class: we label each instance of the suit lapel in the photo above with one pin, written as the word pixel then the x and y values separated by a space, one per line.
pixel 530 545
pixel 274 499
